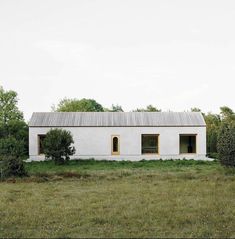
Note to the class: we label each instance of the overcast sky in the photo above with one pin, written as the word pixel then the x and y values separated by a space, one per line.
pixel 172 54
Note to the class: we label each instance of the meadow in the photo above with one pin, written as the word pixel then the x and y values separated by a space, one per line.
pixel 120 199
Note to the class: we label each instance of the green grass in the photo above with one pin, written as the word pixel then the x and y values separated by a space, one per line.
pixel 120 199
pixel 90 165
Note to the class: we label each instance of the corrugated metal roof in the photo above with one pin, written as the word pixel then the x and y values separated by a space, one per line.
pixel 109 119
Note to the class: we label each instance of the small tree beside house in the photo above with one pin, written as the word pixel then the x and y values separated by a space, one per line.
pixel 57 146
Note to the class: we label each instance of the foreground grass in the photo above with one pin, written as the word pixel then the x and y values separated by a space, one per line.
pixel 111 199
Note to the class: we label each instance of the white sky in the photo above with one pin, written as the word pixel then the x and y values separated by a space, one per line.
pixel 172 54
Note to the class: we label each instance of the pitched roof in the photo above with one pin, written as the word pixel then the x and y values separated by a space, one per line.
pixel 109 119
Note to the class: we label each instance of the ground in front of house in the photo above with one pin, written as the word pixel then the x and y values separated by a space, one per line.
pixel 120 199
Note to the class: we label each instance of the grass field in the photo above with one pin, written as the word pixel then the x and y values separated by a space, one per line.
pixel 120 199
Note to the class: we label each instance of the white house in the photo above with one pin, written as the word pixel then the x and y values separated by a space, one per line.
pixel 124 136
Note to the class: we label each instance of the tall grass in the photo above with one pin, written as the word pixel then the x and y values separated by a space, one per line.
pixel 120 199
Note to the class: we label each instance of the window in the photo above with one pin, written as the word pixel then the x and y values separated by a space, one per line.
pixel 115 145
pixel 40 143
pixel 187 144
pixel 150 143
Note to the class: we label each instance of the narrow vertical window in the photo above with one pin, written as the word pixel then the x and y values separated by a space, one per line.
pixel 40 143
pixel 115 145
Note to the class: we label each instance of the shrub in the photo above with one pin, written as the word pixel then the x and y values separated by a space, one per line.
pixel 12 146
pixel 12 165
pixel 226 145
pixel 57 145
pixel 20 131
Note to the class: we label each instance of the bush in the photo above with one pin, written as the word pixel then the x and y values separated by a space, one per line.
pixel 12 146
pixel 20 131
pixel 226 145
pixel 57 145
pixel 12 166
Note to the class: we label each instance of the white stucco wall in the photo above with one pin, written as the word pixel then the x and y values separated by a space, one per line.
pixel 95 142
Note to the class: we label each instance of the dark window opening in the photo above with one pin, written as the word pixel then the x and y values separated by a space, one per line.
pixel 149 144
pixel 40 143
pixel 115 145
pixel 187 144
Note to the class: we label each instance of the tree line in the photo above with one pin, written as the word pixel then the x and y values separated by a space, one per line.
pixel 14 129
pixel 91 105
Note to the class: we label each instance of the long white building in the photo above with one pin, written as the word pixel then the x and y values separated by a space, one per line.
pixel 124 136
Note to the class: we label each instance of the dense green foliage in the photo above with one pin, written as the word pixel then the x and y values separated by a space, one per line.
pixel 57 145
pixel 12 166
pixel 75 105
pixel 227 114
pixel 214 123
pixel 11 146
pixel 13 129
pixel 226 144
pixel 8 106
pixel 13 135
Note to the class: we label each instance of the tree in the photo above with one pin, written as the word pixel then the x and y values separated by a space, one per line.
pixel 13 129
pixel 10 146
pixel 225 111
pixel 13 135
pixel 57 145
pixel 8 106
pixel 226 144
pixel 76 105
pixel 227 114
pixel 149 108
pixel 19 131
pixel 213 122
pixel 115 108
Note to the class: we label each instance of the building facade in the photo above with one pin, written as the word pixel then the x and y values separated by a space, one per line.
pixel 124 136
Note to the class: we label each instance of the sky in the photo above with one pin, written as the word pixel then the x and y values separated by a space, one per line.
pixel 174 54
